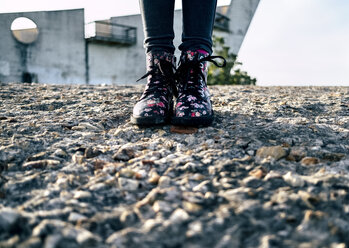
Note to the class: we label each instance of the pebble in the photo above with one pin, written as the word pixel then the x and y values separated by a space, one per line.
pixel 162 206
pixel 74 217
pixel 259 172
pixel 179 215
pixel 310 161
pixel 274 152
pixel 8 219
pixel 242 182
pixel 293 179
pixel 78 158
pixel 164 181
pixel 126 172
pixel 60 153
pixel 82 195
pixel 40 164
pixel 154 178
pixel 191 207
pixel 92 152
pixel 128 184
pixel 124 154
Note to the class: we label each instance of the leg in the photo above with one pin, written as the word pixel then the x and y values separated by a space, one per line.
pixel 155 105
pixel 193 105
pixel 157 18
pixel 198 21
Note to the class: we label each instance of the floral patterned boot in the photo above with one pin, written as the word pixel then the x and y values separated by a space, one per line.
pixel 156 103
pixel 193 106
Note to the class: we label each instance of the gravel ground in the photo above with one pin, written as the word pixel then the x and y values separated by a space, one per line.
pixel 272 170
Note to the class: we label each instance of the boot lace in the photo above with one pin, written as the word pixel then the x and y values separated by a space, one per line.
pixel 163 73
pixel 192 70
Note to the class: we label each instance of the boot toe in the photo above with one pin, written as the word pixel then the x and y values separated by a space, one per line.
pixel 146 113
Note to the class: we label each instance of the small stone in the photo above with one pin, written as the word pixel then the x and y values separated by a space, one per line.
pixel 210 196
pixel 85 125
pixel 98 186
pixel 124 154
pixel 154 178
pixel 196 176
pixel 310 161
pixel 161 132
pixel 32 242
pixel 308 198
pixel 128 217
pixel 140 174
pixel 194 228
pixel 128 184
pixel 296 154
pixel 293 180
pixel 258 172
pixel 252 182
pixel 54 240
pixel 191 207
pixel 38 156
pixel 75 217
pixel 82 195
pixel 99 164
pixel 179 215
pixel 272 174
pixel 48 226
pixel 164 181
pixel 8 218
pixel 40 164
pixel 78 158
pixel 274 152
pixel 333 156
pixel 126 172
pixel 162 206
pixel 338 245
pixel 150 224
pixel 87 239
pixel 202 187
pixel 183 130
pixel 92 152
pixel 60 153
pixel 314 215
pixel 148 162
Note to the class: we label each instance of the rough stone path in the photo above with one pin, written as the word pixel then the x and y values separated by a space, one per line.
pixel 272 171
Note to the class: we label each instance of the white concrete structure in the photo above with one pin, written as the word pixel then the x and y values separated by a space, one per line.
pixel 58 54
pixel 61 54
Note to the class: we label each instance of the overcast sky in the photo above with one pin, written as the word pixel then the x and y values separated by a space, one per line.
pixel 290 42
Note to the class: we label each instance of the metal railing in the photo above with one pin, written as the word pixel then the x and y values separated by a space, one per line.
pixel 106 31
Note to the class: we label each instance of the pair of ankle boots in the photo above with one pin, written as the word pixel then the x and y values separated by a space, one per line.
pixel 176 95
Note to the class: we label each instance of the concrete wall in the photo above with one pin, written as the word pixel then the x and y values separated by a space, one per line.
pixel 241 13
pixel 57 56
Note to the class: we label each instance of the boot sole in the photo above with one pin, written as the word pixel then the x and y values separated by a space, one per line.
pixel 148 121
pixel 192 121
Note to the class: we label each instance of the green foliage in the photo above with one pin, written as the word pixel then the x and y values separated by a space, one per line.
pixel 230 74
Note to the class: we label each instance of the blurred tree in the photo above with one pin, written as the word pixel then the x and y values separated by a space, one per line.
pixel 230 74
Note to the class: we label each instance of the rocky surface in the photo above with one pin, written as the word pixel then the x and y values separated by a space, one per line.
pixel 272 171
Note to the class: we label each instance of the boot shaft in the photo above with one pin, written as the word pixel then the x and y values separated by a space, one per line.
pixel 160 62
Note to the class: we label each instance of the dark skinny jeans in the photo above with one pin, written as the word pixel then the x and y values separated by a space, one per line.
pixel 198 20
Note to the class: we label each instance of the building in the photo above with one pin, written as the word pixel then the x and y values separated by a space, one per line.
pixel 60 48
